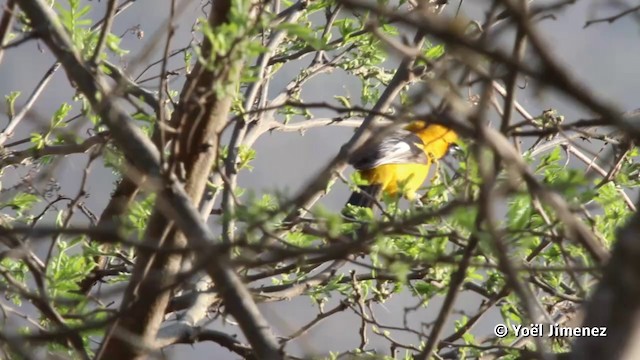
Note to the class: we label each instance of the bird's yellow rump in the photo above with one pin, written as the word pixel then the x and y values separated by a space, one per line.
pixel 400 161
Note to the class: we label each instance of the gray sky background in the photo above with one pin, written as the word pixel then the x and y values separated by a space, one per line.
pixel 604 57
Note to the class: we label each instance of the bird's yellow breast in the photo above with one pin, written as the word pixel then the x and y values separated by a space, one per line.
pixel 396 177
pixel 408 177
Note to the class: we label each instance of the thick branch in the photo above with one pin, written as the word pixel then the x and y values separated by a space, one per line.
pixel 173 201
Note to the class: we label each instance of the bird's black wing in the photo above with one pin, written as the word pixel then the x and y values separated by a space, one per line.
pixel 401 147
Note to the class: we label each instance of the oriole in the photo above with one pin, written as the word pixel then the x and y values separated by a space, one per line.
pixel 400 161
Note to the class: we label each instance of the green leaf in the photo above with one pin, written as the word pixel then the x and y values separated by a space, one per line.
pixel 344 101
pixel 425 289
pixel 57 120
pixel 304 33
pixel 187 56
pixel 22 201
pixel 113 44
pixel 37 140
pixel 551 159
pixel 245 156
pixel 10 100
pixel 435 52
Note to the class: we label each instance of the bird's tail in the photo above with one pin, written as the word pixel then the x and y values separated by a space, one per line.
pixel 365 196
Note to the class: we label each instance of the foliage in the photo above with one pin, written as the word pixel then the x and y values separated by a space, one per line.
pixel 488 229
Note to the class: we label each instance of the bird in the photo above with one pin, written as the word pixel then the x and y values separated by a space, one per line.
pixel 399 162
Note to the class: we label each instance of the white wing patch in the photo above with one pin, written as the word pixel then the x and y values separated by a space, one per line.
pixel 401 148
pixel 394 149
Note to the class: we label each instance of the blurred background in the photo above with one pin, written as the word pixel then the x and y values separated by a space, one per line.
pixel 603 56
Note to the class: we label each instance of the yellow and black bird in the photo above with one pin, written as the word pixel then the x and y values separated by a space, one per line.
pixel 400 161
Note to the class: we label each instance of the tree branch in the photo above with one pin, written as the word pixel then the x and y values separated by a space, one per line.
pixel 173 201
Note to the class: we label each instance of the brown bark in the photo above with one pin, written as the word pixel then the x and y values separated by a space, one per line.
pixel 201 117
pixel 615 305
pixel 205 112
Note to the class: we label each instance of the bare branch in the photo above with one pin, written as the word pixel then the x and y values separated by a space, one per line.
pixel 613 18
